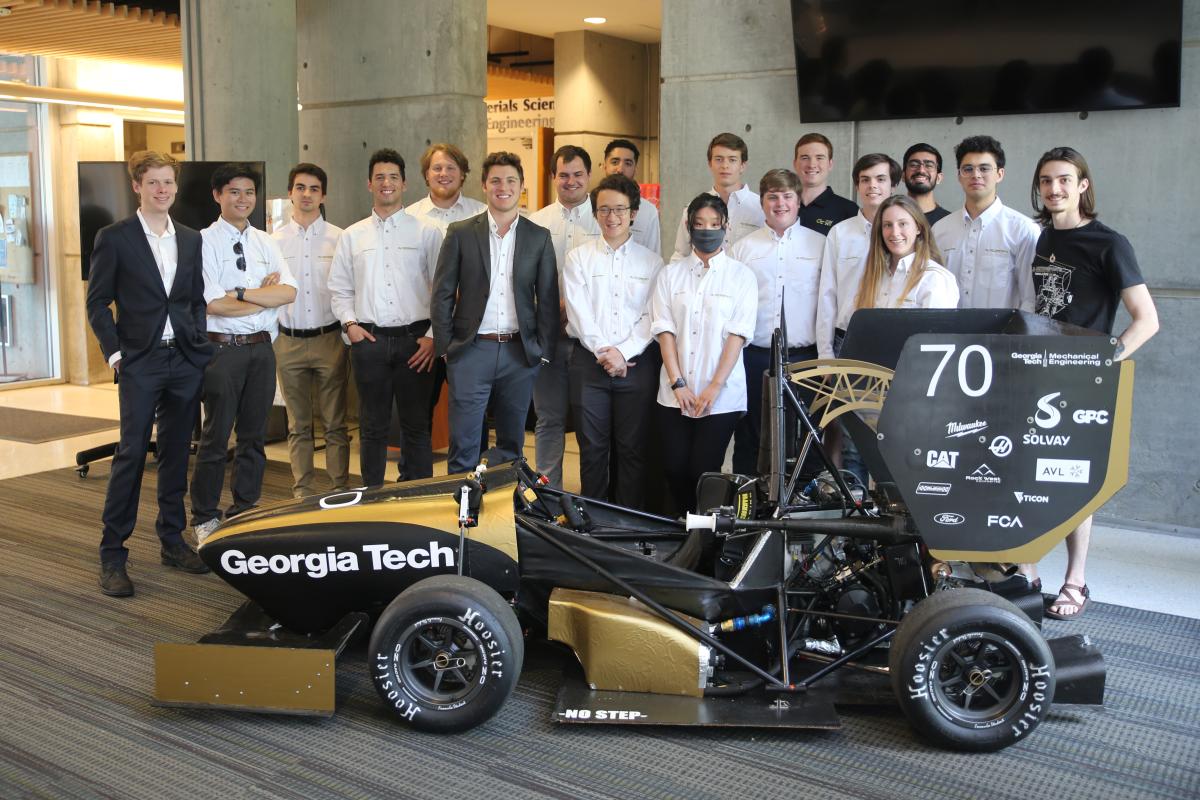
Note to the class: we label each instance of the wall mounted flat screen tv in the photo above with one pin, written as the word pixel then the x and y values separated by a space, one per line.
pixel 886 59
pixel 105 196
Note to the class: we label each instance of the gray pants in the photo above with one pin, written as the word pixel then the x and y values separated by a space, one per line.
pixel 552 403
pixel 480 372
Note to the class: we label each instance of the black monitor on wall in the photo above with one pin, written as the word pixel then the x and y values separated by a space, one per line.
pixel 105 196
pixel 885 59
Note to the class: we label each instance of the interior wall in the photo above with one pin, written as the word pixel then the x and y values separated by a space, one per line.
pixel 730 67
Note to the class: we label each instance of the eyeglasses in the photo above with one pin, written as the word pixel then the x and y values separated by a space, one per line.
pixel 917 164
pixel 241 261
pixel 983 170
pixel 612 211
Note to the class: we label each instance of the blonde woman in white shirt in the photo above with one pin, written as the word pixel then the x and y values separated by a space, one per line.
pixel 902 269
pixel 703 310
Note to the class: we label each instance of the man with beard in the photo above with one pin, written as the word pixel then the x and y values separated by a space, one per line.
pixel 445 169
pixel 922 174
pixel 621 157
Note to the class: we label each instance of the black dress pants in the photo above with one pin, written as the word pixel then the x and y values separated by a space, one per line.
pixel 239 387
pixel 383 377
pixel 161 388
pixel 613 423
pixel 691 447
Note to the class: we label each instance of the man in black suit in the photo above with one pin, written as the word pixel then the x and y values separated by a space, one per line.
pixel 495 315
pixel 151 267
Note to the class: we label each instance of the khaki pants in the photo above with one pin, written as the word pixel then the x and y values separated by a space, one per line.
pixel 317 363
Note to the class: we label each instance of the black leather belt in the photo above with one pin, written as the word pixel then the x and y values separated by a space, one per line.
pixel 308 333
pixel 239 339
pixel 416 329
pixel 499 337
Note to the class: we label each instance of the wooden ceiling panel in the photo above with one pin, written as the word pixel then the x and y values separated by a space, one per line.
pixel 91 29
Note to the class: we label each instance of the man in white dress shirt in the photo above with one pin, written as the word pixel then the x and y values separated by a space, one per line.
pixel 614 370
pixel 986 245
pixel 246 280
pixel 571 222
pixel 727 160
pixel 310 355
pixel 621 157
pixel 785 257
pixel 845 255
pixel 445 168
pixel 380 284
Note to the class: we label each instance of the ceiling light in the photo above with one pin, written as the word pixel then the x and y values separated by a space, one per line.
pixel 595 20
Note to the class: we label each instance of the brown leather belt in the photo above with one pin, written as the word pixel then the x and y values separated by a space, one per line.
pixel 499 337
pixel 239 339
pixel 308 333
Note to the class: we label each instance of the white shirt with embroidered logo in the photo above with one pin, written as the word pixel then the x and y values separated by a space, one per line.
pixel 702 307
pixel 645 226
pixel 842 266
pixel 222 276
pixel 382 270
pixel 788 270
pixel 936 289
pixel 569 228
pixel 463 208
pixel 500 311
pixel 745 217
pixel 991 256
pixel 309 255
pixel 608 295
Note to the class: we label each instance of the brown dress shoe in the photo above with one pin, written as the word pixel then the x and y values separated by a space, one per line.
pixel 181 557
pixel 114 580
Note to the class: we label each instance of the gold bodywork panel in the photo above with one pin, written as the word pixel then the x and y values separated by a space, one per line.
pixel 624 647
pixel 287 680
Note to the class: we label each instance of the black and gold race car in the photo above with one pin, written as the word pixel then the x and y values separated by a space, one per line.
pixel 989 436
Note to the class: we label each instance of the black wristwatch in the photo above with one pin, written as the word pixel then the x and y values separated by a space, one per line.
pixel 679 383
pixel 241 293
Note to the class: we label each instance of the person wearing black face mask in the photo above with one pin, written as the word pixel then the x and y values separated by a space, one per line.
pixel 703 311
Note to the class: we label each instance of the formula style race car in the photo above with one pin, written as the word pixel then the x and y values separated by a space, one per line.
pixel 989 436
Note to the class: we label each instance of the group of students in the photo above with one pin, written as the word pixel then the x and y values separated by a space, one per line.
pixel 571 307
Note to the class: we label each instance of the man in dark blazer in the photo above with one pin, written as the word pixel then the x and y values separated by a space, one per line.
pixel 151 268
pixel 495 315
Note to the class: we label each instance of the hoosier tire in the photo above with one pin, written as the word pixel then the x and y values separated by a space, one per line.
pixel 970 671
pixel 446 654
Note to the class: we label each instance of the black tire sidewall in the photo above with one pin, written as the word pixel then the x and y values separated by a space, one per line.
pixel 933 634
pixel 474 610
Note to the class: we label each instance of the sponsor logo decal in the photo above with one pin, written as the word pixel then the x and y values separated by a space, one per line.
pixel 1031 359
pixel 1086 416
pixel 941 459
pixel 983 474
pixel 933 489
pixel 1001 446
pixel 949 518
pixel 1030 498
pixel 380 557
pixel 1048 358
pixel 1047 416
pixel 1057 440
pixel 1063 470
pixel 1003 521
pixel 955 430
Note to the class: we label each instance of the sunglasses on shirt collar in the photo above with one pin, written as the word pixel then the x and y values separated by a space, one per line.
pixel 241 259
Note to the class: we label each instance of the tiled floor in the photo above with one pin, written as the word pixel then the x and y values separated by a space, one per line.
pixel 1153 571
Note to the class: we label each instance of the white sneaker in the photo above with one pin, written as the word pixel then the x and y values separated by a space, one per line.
pixel 205 529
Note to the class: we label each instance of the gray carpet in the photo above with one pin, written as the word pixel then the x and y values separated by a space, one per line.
pixel 34 427
pixel 76 721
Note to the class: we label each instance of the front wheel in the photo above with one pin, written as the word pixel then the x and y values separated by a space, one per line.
pixel 970 671
pixel 446 654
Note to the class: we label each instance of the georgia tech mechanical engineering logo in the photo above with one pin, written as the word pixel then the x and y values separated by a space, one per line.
pixel 318 565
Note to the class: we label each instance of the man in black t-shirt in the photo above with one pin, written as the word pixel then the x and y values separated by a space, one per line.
pixel 1081 270
pixel 820 207
pixel 922 173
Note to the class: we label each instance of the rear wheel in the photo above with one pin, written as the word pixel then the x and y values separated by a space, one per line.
pixel 970 671
pixel 446 653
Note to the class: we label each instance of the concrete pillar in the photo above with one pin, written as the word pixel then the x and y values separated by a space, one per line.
pixel 239 64
pixel 603 91
pixel 389 73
